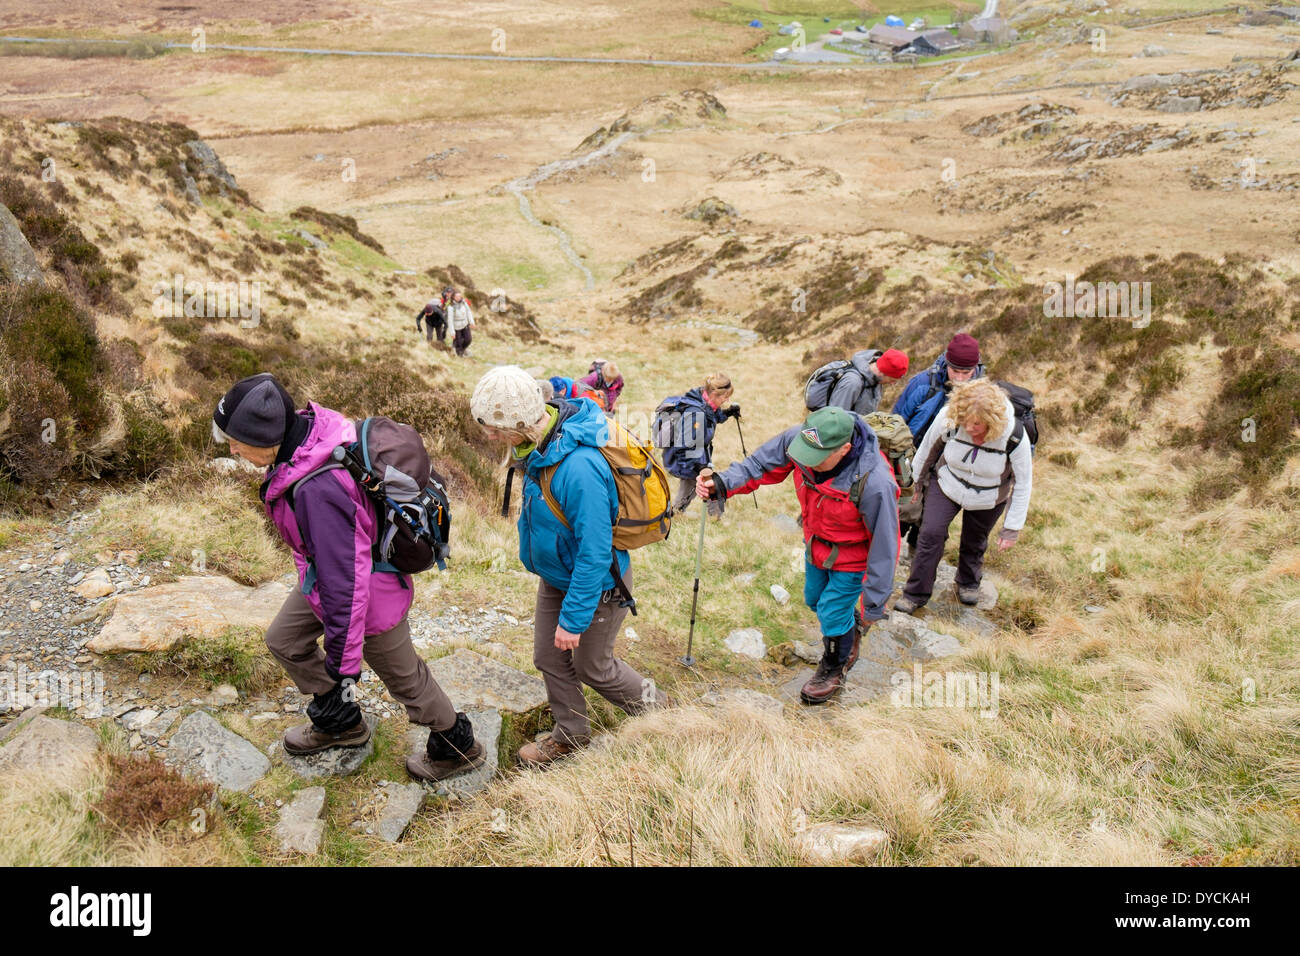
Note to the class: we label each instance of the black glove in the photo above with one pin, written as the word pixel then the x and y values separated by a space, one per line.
pixel 733 411
pixel 336 710
pixel 719 489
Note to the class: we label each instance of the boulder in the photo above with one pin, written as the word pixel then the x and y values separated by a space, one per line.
pixel 300 827
pixel 42 743
pixel 747 641
pixel 210 164
pixel 155 618
pixel 1179 104
pixel 202 747
pixel 96 584
pixel 472 680
pixel 835 842
pixel 402 804
pixel 17 258
pixel 334 762
pixel 487 731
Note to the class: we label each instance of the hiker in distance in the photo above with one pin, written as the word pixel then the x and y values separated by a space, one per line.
pixel 604 377
pixel 688 422
pixel 855 384
pixel 461 320
pixel 925 394
pixel 331 527
pixel 434 317
pixel 849 502
pixel 975 458
pixel 579 608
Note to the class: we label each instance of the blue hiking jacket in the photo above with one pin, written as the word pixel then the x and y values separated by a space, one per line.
pixel 577 559
pixel 692 447
pixel 925 395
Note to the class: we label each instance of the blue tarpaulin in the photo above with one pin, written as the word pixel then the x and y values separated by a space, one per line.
pixel 893 21
pixel 755 23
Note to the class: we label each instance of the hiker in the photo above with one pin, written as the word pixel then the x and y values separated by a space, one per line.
pixel 849 503
pixel 564 387
pixel 927 392
pixel 604 377
pixel 435 318
pixel 461 319
pixel 579 611
pixel 855 384
pixel 974 459
pixel 692 418
pixel 330 526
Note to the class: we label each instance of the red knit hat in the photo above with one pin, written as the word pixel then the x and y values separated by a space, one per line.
pixel 892 364
pixel 963 351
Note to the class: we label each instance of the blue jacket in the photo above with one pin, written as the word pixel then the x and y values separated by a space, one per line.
pixel 924 395
pixel 692 447
pixel 577 559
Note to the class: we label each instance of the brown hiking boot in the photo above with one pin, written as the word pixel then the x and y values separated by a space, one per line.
pixel 310 739
pixel 905 605
pixel 968 596
pixel 824 684
pixel 546 751
pixel 424 767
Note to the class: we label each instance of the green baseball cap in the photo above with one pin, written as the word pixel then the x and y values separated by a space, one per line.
pixel 821 436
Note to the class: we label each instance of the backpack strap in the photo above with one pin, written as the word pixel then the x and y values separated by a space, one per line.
pixel 544 476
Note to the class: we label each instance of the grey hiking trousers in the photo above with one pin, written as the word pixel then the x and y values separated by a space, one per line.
pixel 593 663
pixel 292 640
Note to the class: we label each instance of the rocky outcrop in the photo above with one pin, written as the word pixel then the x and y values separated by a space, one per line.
pixel 17 258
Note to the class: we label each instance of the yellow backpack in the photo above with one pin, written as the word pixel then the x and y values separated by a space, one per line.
pixel 643 492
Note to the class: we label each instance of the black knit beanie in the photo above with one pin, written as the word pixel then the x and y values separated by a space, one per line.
pixel 256 411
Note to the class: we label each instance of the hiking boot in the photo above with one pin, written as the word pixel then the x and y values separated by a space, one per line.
pixel 546 751
pixel 825 683
pixel 859 628
pixel 969 596
pixel 424 767
pixel 905 605
pixel 310 739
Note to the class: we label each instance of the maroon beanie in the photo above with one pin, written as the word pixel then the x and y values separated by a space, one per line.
pixel 963 351
pixel 892 363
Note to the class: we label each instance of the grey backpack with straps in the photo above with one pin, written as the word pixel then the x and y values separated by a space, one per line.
pixel 390 464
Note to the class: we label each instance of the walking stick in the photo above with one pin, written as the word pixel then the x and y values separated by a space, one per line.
pixel 745 454
pixel 689 659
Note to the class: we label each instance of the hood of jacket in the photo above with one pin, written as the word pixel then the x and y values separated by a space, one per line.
pixel 328 429
pixel 861 362
pixel 579 422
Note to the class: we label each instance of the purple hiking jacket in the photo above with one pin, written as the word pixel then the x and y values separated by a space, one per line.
pixel 612 389
pixel 334 529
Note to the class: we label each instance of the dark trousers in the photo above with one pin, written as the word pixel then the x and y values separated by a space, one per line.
pixel 293 639
pixel 938 515
pixel 460 342
pixel 432 328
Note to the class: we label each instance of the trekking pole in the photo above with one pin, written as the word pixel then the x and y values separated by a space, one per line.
pixel 689 659
pixel 745 454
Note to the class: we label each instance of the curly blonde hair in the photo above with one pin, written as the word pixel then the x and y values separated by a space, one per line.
pixel 981 400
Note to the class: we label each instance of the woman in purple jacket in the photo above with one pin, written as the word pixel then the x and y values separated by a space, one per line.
pixel 331 526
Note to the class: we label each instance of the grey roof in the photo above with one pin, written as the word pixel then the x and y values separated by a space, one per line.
pixel 941 39
pixel 891 36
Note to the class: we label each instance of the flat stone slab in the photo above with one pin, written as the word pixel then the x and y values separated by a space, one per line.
pixel 300 827
pixel 472 680
pixel 204 748
pixel 867 681
pixel 43 743
pixel 747 641
pixel 487 731
pixel 155 618
pixel 402 804
pixel 335 762
pixel 835 842
pixel 743 697
pixel 903 638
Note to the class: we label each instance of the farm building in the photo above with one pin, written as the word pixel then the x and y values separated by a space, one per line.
pixel 891 38
pixel 935 43
pixel 986 30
